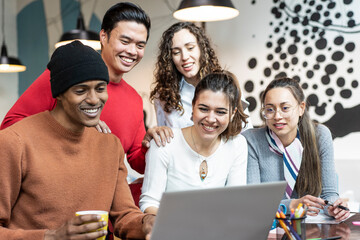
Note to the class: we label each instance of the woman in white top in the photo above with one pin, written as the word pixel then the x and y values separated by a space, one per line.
pixel 185 56
pixel 210 153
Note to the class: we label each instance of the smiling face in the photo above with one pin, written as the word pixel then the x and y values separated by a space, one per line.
pixel 211 114
pixel 283 125
pixel 123 48
pixel 82 105
pixel 186 55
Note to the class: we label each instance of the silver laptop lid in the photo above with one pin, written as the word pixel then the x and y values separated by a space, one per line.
pixel 231 213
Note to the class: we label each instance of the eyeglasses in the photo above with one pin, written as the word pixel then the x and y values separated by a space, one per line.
pixel 270 112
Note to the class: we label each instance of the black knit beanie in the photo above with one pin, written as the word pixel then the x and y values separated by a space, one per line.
pixel 75 63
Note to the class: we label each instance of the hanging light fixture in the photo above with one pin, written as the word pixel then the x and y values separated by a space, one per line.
pixel 8 64
pixel 205 10
pixel 88 38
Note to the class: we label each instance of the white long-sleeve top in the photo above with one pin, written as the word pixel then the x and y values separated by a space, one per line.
pixel 174 119
pixel 175 167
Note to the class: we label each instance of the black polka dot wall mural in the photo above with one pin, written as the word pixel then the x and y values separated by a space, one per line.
pixel 317 43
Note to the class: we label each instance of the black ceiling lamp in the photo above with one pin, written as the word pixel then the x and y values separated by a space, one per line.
pixel 205 10
pixel 87 37
pixel 8 64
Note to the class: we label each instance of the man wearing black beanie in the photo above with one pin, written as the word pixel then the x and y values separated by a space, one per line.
pixel 71 65
pixel 56 163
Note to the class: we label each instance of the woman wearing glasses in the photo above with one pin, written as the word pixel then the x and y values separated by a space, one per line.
pixel 293 148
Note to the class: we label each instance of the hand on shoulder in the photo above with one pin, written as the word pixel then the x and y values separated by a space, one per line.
pixel 161 136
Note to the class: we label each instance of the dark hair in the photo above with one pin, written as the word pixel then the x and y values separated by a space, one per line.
pixel 125 11
pixel 309 178
pixel 167 77
pixel 226 83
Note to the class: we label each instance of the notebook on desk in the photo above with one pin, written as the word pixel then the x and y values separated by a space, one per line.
pixel 229 213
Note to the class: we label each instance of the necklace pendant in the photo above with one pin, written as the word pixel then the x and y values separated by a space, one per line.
pixel 202 176
pixel 203 170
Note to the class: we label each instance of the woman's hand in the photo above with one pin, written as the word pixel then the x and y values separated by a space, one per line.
pixel 314 204
pixel 102 127
pixel 338 213
pixel 161 136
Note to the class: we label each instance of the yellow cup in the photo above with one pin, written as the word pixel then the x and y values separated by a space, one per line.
pixel 104 217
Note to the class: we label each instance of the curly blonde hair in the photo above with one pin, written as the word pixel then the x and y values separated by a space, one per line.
pixel 167 77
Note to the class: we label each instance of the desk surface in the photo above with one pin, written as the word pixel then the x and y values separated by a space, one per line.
pixel 346 230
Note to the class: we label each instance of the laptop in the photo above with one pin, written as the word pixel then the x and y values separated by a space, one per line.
pixel 229 213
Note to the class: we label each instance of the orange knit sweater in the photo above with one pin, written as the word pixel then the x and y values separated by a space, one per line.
pixel 48 173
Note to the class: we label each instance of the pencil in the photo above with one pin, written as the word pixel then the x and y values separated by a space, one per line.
pixel 282 224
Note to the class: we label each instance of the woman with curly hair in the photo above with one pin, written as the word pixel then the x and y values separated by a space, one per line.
pixel 185 57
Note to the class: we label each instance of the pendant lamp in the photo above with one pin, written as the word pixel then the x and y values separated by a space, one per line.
pixel 8 64
pixel 88 38
pixel 205 10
